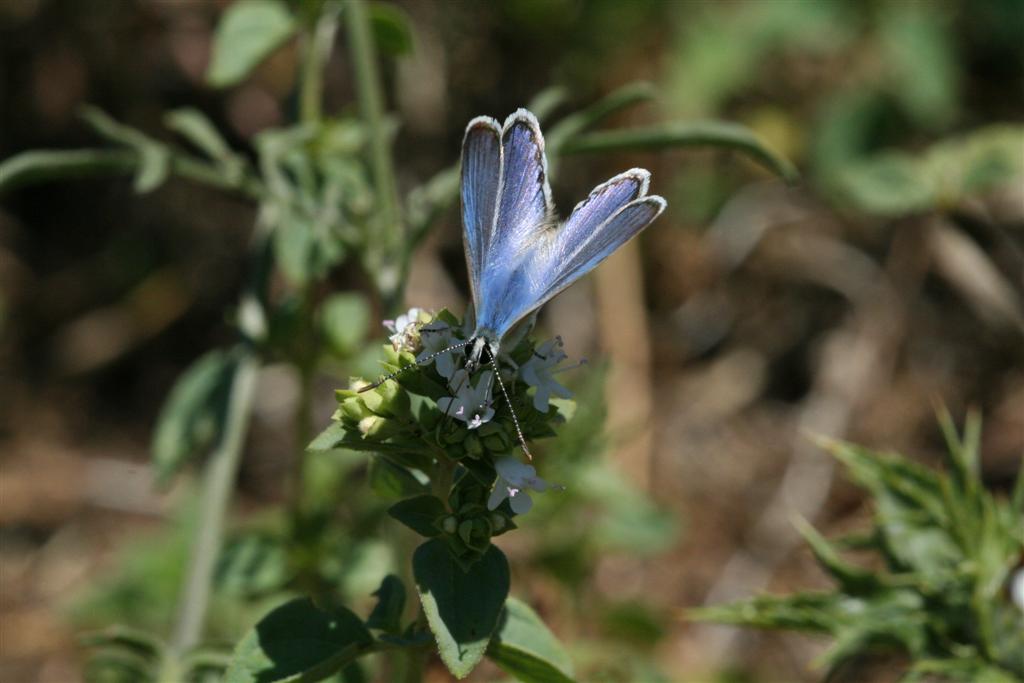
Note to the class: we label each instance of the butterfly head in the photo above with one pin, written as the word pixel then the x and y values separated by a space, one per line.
pixel 481 350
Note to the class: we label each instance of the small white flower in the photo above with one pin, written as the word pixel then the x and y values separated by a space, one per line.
pixel 405 330
pixel 514 479
pixel 537 372
pixel 471 404
pixel 435 338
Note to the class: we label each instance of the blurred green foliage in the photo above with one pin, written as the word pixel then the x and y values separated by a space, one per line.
pixel 950 550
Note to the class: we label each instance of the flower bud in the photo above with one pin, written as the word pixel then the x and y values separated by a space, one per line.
pixel 473 446
pixel 449 524
pixel 369 426
pixel 498 522
pixel 352 410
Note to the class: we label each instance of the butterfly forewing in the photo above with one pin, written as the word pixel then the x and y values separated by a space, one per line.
pixel 481 177
pixel 523 211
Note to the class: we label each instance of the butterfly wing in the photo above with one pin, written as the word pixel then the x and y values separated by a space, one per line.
pixel 521 210
pixel 481 178
pixel 615 212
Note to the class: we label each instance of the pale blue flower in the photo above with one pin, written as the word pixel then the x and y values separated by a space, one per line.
pixel 537 372
pixel 514 479
pixel 435 338
pixel 471 403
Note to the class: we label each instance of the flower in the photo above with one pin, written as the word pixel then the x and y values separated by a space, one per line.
pixel 436 338
pixel 514 478
pixel 537 372
pixel 470 403
pixel 405 330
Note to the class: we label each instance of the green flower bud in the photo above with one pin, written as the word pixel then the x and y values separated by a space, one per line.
pixel 449 524
pixel 371 426
pixel 352 410
pixel 498 521
pixel 373 400
pixel 498 442
pixel 473 446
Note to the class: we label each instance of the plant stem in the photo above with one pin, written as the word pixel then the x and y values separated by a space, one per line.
pixel 318 45
pixel 218 482
pixel 388 262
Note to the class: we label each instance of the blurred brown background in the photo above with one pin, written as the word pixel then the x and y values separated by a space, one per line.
pixel 750 315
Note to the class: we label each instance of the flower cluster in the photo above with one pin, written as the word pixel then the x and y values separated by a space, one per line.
pixel 453 432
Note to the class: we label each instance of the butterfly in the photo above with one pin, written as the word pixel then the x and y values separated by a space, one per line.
pixel 518 254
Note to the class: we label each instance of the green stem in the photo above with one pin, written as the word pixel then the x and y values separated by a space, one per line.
pixel 217 485
pixel 388 263
pixel 318 45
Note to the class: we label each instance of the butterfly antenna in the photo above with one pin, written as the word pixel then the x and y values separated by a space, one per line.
pixel 515 420
pixel 417 364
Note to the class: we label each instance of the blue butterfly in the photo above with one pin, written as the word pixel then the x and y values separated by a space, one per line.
pixel 518 255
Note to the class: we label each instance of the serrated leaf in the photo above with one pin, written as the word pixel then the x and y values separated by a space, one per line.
pixel 462 608
pixel 193 414
pixel 420 514
pixel 246 34
pixel 525 648
pixel 387 613
pixel 298 642
pixel 345 319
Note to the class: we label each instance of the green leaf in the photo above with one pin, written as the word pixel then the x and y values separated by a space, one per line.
pixel 689 134
pixel 328 439
pixel 141 642
pixel 525 648
pixel 298 642
pixel 193 414
pixel 251 565
pixel 419 514
pixel 293 248
pixel 462 608
pixel 345 321
pixel 40 166
pixel 574 124
pixel 547 100
pixel 387 613
pixel 153 162
pixel 247 33
pixel 193 125
pixel 389 480
pixel 887 184
pixel 392 30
